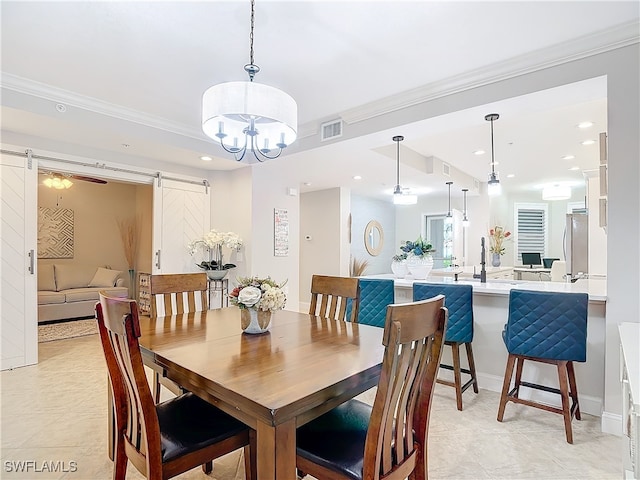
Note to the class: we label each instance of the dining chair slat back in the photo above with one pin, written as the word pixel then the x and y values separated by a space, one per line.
pixel 163 440
pixel 329 297
pixel 391 435
pixel 175 289
pixel 170 289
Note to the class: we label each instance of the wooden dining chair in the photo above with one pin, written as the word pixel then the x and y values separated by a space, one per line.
pixel 169 438
pixel 177 293
pixel 329 297
pixel 389 440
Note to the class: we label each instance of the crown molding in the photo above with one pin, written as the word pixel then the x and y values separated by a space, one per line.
pixel 59 95
pixel 600 42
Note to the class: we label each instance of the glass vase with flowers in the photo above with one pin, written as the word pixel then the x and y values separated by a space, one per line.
pixel 497 236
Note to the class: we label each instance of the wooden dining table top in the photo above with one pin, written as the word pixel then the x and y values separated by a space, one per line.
pixel 273 382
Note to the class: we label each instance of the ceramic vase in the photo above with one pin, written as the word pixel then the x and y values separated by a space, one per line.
pixel 420 267
pixel 399 268
pixel 255 321
pixel 216 274
pixel 495 260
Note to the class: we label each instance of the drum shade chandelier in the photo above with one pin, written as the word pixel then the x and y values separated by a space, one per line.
pixel 401 196
pixel 493 185
pixel 248 115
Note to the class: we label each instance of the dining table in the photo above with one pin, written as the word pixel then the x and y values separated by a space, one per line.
pixel 273 382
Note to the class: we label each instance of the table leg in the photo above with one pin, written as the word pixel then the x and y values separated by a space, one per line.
pixel 276 454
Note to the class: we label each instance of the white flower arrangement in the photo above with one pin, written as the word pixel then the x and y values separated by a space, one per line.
pixel 258 293
pixel 213 243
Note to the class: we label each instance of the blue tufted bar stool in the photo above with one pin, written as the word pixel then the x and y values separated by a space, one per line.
pixel 375 295
pixel 550 328
pixel 459 303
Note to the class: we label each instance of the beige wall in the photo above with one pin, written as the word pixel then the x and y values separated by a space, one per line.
pixel 96 208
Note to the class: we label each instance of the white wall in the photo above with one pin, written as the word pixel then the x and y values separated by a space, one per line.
pixel 320 220
pixel 363 210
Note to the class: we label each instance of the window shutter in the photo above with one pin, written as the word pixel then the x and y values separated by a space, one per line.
pixel 531 230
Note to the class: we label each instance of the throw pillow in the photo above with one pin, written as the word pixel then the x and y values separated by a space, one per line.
pixel 70 276
pixel 46 277
pixel 104 277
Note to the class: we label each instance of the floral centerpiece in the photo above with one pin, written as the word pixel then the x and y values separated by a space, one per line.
pixel 212 243
pixel 257 299
pixel 497 235
pixel 419 259
pixel 399 265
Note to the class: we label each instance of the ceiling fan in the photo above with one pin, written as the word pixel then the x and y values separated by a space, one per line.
pixel 63 180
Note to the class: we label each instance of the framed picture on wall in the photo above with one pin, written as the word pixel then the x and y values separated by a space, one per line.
pixel 280 232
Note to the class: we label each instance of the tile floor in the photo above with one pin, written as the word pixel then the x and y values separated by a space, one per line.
pixel 55 412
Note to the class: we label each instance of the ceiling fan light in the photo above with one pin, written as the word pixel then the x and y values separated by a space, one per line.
pixel 404 198
pixel 556 192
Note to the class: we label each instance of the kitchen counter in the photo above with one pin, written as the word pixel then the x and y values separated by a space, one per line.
pixel 595 287
pixel 490 312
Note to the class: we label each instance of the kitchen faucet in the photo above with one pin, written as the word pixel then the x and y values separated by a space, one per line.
pixel 483 272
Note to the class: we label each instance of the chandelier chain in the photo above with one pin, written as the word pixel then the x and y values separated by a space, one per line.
pixel 253 3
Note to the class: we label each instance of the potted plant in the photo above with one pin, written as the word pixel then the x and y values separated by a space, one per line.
pixel 419 259
pixel 212 244
pixel 399 265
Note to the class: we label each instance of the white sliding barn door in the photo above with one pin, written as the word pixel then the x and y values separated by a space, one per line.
pixel 181 213
pixel 18 254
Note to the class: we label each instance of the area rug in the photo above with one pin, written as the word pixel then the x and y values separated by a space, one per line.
pixel 60 331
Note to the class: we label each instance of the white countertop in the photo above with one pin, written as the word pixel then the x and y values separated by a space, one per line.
pixel 468 271
pixel 595 287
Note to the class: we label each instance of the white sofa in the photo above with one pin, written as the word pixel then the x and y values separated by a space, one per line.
pixel 71 291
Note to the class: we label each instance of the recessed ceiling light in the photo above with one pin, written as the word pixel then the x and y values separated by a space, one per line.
pixel 307 184
pixel 479 152
pixel 585 124
pixel 511 175
pixel 126 145
pixel 588 142
pixel 205 158
pixel 568 157
pixel 574 168
pixel 61 107
pixel 357 177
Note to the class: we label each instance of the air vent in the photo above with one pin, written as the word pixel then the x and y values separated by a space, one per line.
pixel 446 169
pixel 331 130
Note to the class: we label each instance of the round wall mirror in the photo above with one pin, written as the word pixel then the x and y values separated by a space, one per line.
pixel 373 238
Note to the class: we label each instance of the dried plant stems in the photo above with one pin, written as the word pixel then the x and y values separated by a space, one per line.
pixel 357 267
pixel 129 234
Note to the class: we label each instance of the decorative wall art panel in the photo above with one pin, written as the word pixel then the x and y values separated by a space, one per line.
pixel 280 232
pixel 55 232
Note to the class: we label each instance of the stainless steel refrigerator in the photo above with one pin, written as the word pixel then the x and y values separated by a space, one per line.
pixel 576 246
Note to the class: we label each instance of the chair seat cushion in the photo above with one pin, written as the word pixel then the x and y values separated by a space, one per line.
pixel 188 423
pixel 336 439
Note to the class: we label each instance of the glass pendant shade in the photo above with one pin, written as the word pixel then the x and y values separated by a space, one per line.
pixel 465 222
pixel 465 219
pixel 239 114
pixel 493 185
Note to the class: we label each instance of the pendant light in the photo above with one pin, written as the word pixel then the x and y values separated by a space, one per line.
pixel 465 219
pixel 493 185
pixel 248 115
pixel 448 220
pixel 401 196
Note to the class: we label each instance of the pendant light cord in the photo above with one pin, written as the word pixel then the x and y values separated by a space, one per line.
pixel 493 162
pixel 398 162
